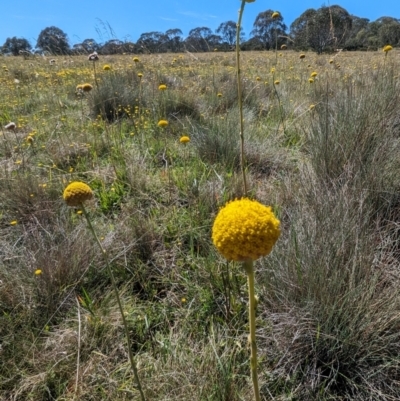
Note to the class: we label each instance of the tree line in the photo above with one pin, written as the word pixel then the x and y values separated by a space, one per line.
pixel 321 30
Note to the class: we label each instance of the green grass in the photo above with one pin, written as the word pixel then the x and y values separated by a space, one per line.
pixel 327 320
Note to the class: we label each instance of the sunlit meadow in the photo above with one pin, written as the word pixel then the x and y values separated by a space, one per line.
pixel 156 137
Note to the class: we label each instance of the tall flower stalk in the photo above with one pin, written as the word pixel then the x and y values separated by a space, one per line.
pixel 245 230
pixel 75 194
pixel 240 101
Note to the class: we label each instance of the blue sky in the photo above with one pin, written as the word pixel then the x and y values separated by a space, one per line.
pixel 84 19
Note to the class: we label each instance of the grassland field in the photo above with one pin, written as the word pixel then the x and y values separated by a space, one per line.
pixel 322 148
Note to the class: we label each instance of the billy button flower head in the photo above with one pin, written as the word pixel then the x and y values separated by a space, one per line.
pixel 87 87
pixel 162 123
pixel 245 229
pixel 76 193
pixel 387 49
pixel 136 59
pixel 184 139
pixel 162 87
pixel 106 67
pixel 275 15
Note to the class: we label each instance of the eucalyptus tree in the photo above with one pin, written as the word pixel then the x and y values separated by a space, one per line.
pixel 53 40
pixel 267 27
pixel 323 29
pixel 16 46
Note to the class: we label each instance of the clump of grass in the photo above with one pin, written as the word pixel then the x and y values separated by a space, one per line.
pixel 116 96
pixel 328 302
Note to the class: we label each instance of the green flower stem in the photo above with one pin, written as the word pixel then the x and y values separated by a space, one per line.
pixel 248 266
pixel 240 102
pixel 94 73
pixel 103 251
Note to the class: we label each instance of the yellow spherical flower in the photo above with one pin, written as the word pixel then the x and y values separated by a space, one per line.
pixel 76 193
pixel 106 67
pixel 302 55
pixel 245 229
pixel 284 47
pixel 184 139
pixel 275 15
pixel 162 87
pixel 387 48
pixel 162 123
pixel 140 75
pixel 136 59
pixel 87 87
pixel 314 74
pixel 277 82
pixel 310 80
pixel 38 272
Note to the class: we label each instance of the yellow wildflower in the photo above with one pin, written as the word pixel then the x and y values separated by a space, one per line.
pixel 87 87
pixel 76 193
pixel 245 229
pixel 162 123
pixel 184 139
